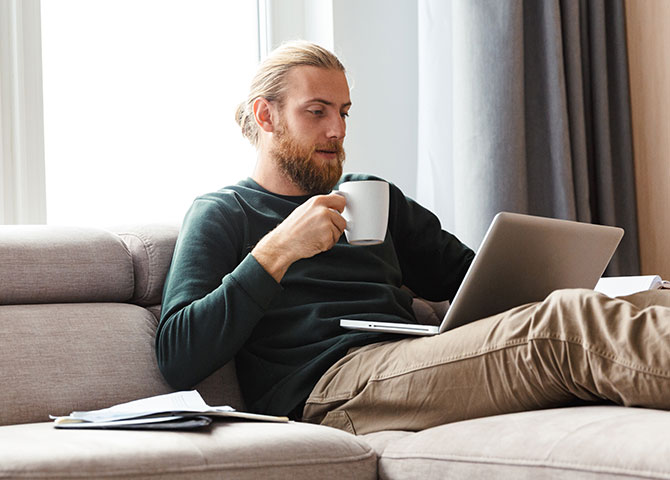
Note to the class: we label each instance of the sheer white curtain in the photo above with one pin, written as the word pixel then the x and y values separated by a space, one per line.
pixel 435 176
pixel 467 169
pixel 22 192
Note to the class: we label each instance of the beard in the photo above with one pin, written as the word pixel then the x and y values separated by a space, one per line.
pixel 295 162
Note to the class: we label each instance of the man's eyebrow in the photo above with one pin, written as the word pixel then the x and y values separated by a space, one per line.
pixel 326 102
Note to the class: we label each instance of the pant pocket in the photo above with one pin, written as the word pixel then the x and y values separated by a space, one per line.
pixel 339 419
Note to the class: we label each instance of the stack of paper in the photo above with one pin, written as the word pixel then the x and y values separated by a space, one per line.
pixel 177 410
pixel 627 285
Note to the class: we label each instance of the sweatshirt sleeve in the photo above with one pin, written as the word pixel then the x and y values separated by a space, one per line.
pixel 432 260
pixel 215 294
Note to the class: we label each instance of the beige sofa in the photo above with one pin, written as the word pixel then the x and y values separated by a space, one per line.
pixel 78 312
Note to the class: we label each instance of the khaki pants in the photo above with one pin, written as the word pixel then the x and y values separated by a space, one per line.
pixel 577 346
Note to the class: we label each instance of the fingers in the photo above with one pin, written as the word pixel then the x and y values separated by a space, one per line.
pixel 313 227
pixel 332 200
pixel 339 222
pixel 335 204
pixel 331 206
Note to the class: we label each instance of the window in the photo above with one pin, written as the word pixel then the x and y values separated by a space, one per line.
pixel 139 100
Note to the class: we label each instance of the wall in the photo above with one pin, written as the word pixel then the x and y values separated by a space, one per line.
pixel 377 41
pixel 293 19
pixel 649 63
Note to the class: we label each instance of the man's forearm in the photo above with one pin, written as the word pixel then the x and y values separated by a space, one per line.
pixel 273 256
pixel 194 340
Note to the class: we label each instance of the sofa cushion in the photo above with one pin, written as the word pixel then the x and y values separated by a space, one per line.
pixel 47 264
pixel 63 357
pixel 240 450
pixel 594 442
pixel 379 440
pixel 151 248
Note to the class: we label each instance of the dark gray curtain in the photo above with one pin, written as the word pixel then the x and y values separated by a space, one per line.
pixel 541 114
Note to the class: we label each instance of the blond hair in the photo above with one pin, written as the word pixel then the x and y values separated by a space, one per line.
pixel 270 79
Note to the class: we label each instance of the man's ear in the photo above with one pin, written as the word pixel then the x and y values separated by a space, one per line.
pixel 263 111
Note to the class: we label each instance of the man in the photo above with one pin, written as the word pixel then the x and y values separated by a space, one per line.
pixel 261 273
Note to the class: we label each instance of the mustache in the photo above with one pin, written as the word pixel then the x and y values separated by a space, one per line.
pixel 332 147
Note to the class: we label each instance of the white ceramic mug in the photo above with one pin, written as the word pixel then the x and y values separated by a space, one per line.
pixel 366 212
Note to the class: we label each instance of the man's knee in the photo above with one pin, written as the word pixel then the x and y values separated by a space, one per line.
pixel 569 295
pixel 568 309
pixel 570 299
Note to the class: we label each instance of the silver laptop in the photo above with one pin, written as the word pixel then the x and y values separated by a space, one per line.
pixel 522 259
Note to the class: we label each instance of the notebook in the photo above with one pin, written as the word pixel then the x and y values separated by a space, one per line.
pixel 522 259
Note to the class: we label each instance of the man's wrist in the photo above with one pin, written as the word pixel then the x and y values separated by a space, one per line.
pixel 272 257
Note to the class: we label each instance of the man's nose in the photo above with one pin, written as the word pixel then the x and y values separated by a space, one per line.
pixel 337 128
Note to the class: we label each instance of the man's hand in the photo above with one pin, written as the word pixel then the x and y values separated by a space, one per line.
pixel 313 227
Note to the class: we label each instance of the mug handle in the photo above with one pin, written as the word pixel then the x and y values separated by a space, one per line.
pixel 350 223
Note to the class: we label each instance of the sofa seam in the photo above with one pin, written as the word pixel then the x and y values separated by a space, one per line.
pixel 494 460
pixel 132 267
pixel 149 248
pixel 370 454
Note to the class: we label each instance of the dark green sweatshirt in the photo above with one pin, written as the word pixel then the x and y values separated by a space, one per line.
pixel 220 304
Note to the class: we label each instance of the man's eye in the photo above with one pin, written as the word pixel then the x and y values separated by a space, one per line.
pixel 318 113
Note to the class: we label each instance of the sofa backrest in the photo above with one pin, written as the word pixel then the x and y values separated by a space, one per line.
pixel 79 309
pixel 62 265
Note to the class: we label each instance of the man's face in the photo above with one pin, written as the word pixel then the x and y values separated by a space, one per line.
pixel 308 136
